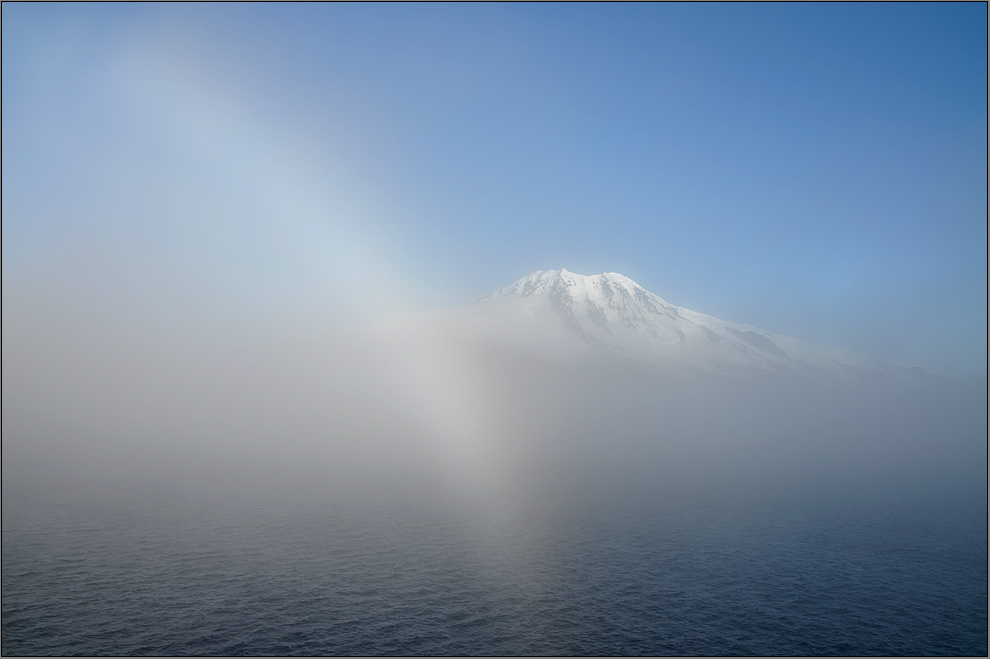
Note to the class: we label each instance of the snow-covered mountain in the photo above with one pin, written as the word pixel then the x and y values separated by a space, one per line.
pixel 565 316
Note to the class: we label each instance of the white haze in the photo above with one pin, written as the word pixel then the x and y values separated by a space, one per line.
pixel 417 411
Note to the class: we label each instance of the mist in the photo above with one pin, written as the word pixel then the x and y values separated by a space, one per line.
pixel 372 413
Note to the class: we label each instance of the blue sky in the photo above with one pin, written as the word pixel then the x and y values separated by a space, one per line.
pixel 814 170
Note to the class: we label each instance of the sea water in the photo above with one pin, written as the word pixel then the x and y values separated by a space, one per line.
pixel 165 574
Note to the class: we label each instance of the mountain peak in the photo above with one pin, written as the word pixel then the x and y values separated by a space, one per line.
pixel 610 313
pixel 602 288
pixel 565 315
pixel 599 309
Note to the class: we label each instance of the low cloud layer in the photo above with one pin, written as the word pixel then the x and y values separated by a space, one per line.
pixel 341 415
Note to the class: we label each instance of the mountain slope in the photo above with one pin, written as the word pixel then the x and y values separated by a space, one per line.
pixel 566 316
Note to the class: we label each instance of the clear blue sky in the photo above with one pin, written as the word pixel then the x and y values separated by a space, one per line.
pixel 814 170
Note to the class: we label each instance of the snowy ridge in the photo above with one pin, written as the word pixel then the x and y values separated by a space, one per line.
pixel 563 315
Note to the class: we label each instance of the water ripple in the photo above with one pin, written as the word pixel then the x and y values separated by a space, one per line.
pixel 152 581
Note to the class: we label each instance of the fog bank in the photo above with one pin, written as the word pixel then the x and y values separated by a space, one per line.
pixel 347 415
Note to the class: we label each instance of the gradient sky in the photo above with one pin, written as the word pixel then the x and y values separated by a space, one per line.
pixel 813 170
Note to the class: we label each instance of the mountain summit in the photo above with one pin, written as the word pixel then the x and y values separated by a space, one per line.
pixel 564 315
pixel 600 308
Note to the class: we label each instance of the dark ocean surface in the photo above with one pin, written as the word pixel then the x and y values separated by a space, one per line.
pixel 645 575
